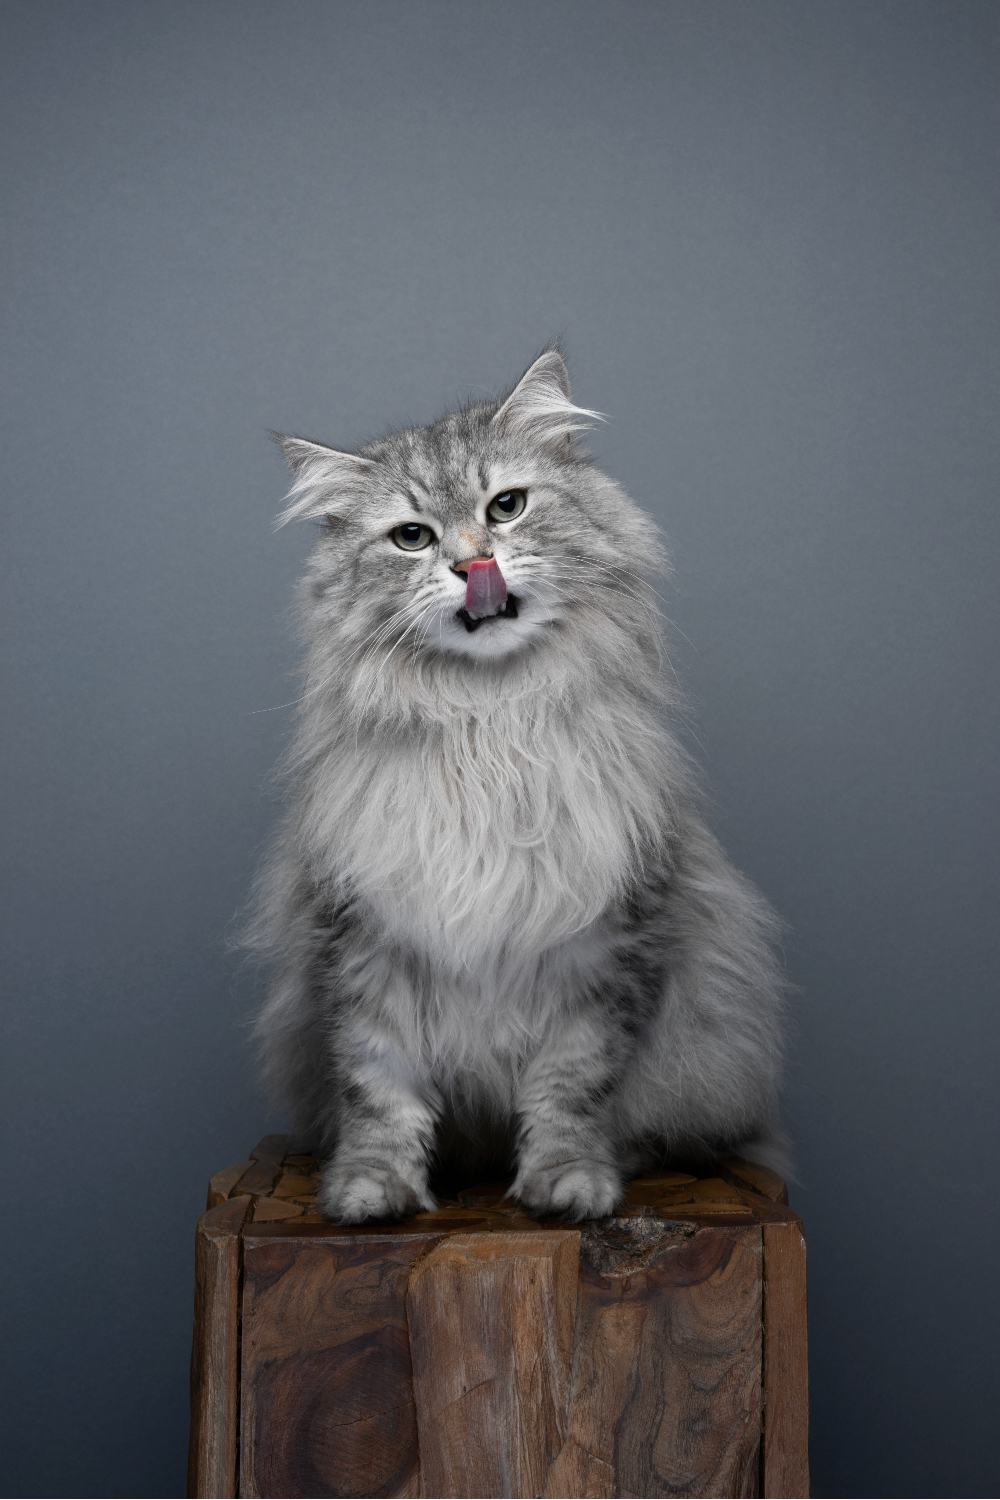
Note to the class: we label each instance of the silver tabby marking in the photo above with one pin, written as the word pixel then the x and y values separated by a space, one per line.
pixel 499 927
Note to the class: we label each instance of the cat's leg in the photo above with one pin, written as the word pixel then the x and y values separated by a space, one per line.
pixel 385 1117
pixel 297 1067
pixel 567 1157
pixel 703 1083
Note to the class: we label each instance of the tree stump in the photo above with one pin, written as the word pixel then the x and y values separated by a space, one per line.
pixel 475 1351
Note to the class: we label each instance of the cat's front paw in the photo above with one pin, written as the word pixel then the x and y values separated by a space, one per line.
pixel 580 1189
pixel 352 1194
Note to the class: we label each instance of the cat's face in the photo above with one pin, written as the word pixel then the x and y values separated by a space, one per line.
pixel 482 536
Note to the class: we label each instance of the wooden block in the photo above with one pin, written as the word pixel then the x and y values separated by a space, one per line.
pixel 327 1402
pixel 759 1179
pixel 491 1320
pixel 667 1198
pixel 667 1390
pixel 294 1184
pixel 259 1178
pixel 221 1186
pixel 265 1210
pixel 271 1148
pixel 475 1351
pixel 212 1468
pixel 786 1367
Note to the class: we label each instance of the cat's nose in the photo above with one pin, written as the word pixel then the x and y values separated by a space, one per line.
pixel 467 563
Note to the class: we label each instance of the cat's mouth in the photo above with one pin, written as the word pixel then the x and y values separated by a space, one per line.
pixel 486 594
pixel 507 611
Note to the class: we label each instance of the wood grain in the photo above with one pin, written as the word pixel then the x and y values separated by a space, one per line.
pixel 266 1210
pixel 327 1401
pixel 259 1178
pixel 786 1369
pixel 221 1186
pixel 491 1321
pixel 271 1148
pixel 708 1197
pixel 759 1179
pixel 215 1351
pixel 666 1395
pixel 476 1351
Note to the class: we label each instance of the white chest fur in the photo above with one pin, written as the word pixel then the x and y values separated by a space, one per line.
pixel 474 835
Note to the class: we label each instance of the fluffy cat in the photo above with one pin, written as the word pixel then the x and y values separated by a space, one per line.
pixel 499 928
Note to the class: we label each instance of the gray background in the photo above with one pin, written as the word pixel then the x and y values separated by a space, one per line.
pixel 767 234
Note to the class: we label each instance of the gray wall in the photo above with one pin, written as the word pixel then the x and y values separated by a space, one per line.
pixel 766 231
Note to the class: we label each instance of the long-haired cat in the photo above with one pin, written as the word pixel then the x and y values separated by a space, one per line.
pixel 500 929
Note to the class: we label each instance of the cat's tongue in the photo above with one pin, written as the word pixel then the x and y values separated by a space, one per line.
pixel 485 589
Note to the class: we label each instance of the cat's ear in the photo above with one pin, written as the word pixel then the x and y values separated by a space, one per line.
pixel 539 407
pixel 324 478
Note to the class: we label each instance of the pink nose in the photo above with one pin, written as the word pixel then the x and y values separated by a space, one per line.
pixel 485 589
pixel 468 563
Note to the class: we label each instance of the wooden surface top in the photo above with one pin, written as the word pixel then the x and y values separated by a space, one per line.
pixel 273 1192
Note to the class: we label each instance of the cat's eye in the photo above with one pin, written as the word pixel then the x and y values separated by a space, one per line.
pixel 412 537
pixel 506 506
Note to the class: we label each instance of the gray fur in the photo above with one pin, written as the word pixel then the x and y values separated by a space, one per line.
pixel 496 919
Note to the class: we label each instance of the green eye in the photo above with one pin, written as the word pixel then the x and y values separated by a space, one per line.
pixel 506 506
pixel 412 537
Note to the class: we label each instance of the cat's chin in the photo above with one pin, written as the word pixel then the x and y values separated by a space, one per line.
pixel 507 611
pixel 508 633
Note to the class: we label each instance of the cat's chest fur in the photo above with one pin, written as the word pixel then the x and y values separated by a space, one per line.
pixel 481 836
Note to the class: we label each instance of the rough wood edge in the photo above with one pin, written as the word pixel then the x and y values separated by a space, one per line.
pixel 213 1448
pixel 746 1190
pixel 222 1184
pixel 785 1448
pixel 761 1180
pixel 271 1148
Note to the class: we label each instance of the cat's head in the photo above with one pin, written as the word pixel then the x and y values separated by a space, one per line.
pixel 487 535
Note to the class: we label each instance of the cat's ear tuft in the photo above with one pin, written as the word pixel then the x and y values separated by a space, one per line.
pixel 539 407
pixel 324 477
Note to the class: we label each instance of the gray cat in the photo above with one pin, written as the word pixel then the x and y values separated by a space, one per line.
pixel 501 932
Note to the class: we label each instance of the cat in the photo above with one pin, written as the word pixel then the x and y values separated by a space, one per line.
pixel 501 933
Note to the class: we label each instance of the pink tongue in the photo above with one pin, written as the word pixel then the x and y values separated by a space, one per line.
pixel 485 590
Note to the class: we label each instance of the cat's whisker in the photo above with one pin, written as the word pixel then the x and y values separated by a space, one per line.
pixel 292 702
pixel 377 640
pixel 383 631
pixel 584 574
pixel 610 587
pixel 375 681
